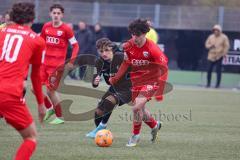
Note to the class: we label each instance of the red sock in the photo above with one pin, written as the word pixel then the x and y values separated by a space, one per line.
pixel 136 127
pixel 47 102
pixel 58 110
pixel 151 122
pixel 26 150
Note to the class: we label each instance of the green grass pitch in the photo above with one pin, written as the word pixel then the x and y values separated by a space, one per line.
pixel 198 123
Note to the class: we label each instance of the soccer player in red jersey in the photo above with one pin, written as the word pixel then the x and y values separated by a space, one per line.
pixel 57 35
pixel 148 76
pixel 19 47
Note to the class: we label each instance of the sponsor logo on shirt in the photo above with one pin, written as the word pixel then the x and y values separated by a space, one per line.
pixel 139 62
pixel 145 54
pixel 32 35
pixel 59 33
pixel 52 40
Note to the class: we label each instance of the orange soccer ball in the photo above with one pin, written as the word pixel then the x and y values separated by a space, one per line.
pixel 104 138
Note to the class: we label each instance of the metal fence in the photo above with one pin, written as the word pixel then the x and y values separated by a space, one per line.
pixel 165 17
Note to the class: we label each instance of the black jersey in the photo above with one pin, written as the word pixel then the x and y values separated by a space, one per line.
pixel 107 69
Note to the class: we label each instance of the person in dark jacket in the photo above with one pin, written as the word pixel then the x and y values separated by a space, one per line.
pixel 98 34
pixel 85 40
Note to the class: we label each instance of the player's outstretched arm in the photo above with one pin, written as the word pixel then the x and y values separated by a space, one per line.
pixel 36 61
pixel 75 49
pixel 37 87
pixel 122 70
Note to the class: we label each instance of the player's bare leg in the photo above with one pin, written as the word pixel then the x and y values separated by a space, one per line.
pixel 55 99
pixel 29 144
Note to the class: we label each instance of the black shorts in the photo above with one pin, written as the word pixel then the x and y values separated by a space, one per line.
pixel 122 97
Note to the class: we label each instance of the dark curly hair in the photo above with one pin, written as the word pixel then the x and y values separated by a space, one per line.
pixel 22 12
pixel 103 43
pixel 138 27
pixel 59 6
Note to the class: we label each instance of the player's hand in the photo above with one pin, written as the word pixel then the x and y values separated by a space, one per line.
pixel 97 80
pixel 112 80
pixel 41 113
pixel 69 66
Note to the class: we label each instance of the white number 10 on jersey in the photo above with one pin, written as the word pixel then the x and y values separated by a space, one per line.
pixel 9 53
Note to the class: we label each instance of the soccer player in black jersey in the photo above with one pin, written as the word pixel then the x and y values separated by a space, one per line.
pixel 107 65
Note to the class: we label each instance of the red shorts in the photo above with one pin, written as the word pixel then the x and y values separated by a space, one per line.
pixel 148 91
pixel 15 112
pixel 49 77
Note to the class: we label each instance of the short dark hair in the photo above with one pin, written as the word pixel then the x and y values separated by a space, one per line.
pixel 138 27
pixel 22 12
pixel 103 42
pixel 59 6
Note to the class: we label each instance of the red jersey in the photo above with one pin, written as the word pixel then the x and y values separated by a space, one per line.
pixel 147 60
pixel 57 39
pixel 19 46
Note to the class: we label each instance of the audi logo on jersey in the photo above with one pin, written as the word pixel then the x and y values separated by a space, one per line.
pixel 140 62
pixel 52 40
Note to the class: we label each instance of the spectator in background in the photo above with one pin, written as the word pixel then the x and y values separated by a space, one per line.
pixel 98 34
pixel 1 19
pixel 85 40
pixel 152 34
pixel 5 19
pixel 69 54
pixel 218 45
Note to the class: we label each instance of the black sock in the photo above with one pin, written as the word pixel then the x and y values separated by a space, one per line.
pixel 106 117
pixel 97 119
pixel 107 107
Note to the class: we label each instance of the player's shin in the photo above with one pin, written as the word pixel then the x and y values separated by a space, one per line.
pixel 137 121
pixel 26 150
pixel 55 99
pixel 47 102
pixel 105 118
pixel 97 118
pixel 102 113
pixel 148 119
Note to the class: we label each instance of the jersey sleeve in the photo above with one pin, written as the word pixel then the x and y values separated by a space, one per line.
pixel 72 40
pixel 70 36
pixel 160 62
pixel 158 55
pixel 38 53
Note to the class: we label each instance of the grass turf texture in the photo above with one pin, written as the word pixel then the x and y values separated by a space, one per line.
pixel 198 123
